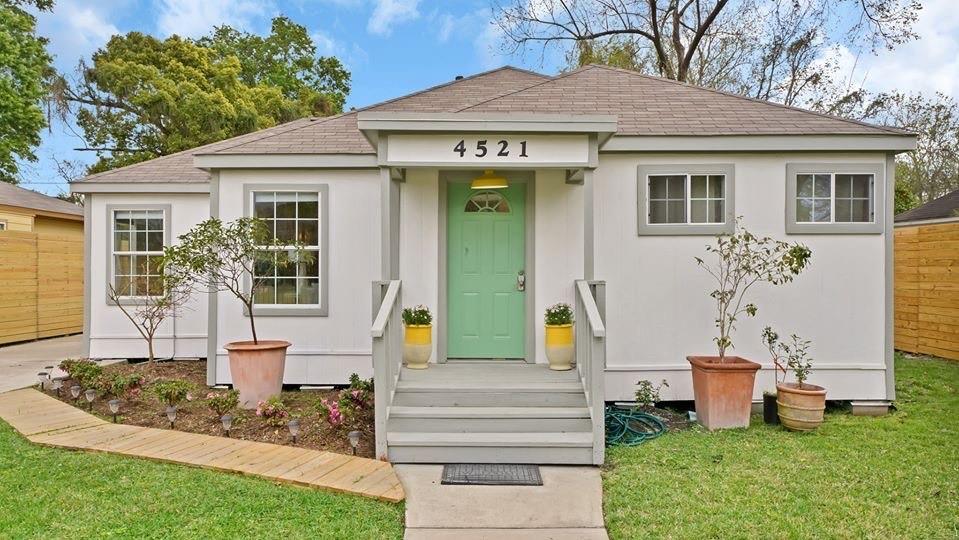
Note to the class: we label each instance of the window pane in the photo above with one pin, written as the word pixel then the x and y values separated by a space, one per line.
pixel 155 224
pixel 123 286
pixel 657 212
pixel 823 188
pixel 121 241
pixel 153 264
pixel 264 264
pixel 139 286
pixel 676 188
pixel 307 232
pixel 861 184
pixel 154 286
pixel 285 230
pixel 843 187
pixel 154 241
pixel 308 291
pixel 123 265
pixel 843 207
pixel 821 210
pixel 676 212
pixel 307 206
pixel 697 210
pixel 860 210
pixel 310 266
pixel 286 291
pixel 657 187
pixel 140 222
pixel 804 185
pixel 140 265
pixel 286 205
pixel 140 241
pixel 121 221
pixel 804 210
pixel 716 188
pixel 717 211
pixel 697 187
pixel 264 292
pixel 263 205
pixel 285 267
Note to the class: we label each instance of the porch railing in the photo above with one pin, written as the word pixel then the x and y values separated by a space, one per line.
pixel 591 356
pixel 387 332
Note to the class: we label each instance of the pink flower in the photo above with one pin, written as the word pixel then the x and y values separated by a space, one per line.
pixel 356 394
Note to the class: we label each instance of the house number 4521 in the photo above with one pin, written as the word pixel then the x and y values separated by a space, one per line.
pixel 485 148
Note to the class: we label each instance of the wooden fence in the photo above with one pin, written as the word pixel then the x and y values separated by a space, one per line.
pixel 41 284
pixel 927 289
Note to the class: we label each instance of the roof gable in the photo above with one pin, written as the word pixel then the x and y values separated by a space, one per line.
pixel 944 207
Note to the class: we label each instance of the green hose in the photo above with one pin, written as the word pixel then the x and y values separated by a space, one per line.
pixel 630 427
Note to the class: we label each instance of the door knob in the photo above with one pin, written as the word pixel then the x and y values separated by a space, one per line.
pixel 521 281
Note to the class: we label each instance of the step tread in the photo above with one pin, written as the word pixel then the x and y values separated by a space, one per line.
pixel 574 439
pixel 480 386
pixel 488 412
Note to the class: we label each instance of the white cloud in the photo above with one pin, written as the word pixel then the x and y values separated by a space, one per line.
pixel 388 13
pixel 75 31
pixel 325 45
pixel 446 26
pixel 193 18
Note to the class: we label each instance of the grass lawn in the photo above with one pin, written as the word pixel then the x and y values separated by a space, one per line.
pixel 890 477
pixel 52 493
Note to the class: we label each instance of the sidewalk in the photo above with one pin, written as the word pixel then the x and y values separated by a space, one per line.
pixel 568 506
pixel 20 363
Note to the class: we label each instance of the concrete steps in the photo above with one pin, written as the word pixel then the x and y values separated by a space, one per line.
pixel 489 413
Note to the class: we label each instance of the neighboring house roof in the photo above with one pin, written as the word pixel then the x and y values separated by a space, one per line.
pixel 644 105
pixel 11 195
pixel 944 207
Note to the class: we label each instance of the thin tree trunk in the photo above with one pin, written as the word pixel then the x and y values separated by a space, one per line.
pixel 249 308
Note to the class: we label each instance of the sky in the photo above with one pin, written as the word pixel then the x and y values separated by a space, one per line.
pixel 394 47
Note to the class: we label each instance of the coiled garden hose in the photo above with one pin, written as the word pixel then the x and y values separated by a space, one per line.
pixel 630 427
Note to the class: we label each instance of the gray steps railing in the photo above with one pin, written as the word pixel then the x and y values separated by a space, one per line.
pixel 590 346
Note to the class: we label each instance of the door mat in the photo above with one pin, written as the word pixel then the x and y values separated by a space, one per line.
pixel 490 474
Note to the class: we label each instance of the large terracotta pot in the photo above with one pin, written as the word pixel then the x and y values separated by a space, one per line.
pixel 800 408
pixel 418 345
pixel 257 369
pixel 723 390
pixel 559 346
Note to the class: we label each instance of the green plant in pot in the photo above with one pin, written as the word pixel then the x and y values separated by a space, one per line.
pixel 418 337
pixel 238 257
pixel 558 322
pixel 723 384
pixel 800 405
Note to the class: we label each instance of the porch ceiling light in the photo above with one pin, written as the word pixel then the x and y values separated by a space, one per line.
pixel 489 180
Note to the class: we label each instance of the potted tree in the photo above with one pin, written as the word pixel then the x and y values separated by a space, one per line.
pixel 559 337
pixel 800 405
pixel 723 384
pixel 418 337
pixel 215 257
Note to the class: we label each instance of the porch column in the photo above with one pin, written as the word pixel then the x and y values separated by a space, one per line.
pixel 589 244
pixel 390 225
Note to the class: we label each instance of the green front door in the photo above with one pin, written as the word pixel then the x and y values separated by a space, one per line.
pixel 486 255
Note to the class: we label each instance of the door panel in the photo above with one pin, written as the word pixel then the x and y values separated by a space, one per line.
pixel 485 252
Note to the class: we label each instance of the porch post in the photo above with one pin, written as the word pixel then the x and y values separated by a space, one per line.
pixel 390 225
pixel 588 226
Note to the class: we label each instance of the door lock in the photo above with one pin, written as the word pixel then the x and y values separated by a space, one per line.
pixel 521 281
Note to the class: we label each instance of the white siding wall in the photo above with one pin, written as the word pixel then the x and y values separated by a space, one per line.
pixel 325 350
pixel 658 310
pixel 112 334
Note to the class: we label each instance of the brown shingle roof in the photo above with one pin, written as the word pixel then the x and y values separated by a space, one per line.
pixel 644 105
pixel 946 206
pixel 11 195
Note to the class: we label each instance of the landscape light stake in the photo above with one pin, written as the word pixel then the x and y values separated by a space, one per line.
pixel 90 394
pixel 354 437
pixel 227 421
pixel 171 414
pixel 75 392
pixel 57 384
pixel 294 427
pixel 42 378
pixel 114 408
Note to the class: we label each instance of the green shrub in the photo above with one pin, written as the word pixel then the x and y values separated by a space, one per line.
pixel 171 392
pixel 559 314
pixel 120 385
pixel 84 372
pixel 419 315
pixel 647 395
pixel 273 411
pixel 222 402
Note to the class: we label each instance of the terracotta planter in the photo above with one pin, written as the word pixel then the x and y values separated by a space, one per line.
pixel 418 345
pixel 723 390
pixel 801 409
pixel 559 346
pixel 257 369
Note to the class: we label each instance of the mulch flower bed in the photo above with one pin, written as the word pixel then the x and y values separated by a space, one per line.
pixel 141 407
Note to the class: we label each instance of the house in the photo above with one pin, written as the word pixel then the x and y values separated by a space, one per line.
pixel 926 296
pixel 598 187
pixel 41 263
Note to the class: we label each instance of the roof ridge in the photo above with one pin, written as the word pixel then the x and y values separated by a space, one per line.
pixel 549 80
pixel 890 129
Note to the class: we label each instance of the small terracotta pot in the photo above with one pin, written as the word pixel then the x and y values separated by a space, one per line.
pixel 418 345
pixel 559 346
pixel 723 390
pixel 257 369
pixel 801 408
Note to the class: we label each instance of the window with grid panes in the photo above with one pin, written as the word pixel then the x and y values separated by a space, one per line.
pixel 292 217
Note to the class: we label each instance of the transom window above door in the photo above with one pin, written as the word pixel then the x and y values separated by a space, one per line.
pixel 690 199
pixel 487 201
pixel 293 218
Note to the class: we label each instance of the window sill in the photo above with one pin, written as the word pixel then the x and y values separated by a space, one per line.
pixel 129 301
pixel 833 228
pixel 679 229
pixel 288 311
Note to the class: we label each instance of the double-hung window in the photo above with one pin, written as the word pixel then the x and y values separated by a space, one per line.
pixel 138 236
pixel 294 216
pixel 833 198
pixel 685 199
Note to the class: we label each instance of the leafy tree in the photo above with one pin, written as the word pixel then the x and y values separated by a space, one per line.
pixel 24 65
pixel 905 199
pixel 143 97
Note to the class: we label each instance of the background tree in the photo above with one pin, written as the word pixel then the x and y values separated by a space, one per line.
pixel 142 97
pixel 24 65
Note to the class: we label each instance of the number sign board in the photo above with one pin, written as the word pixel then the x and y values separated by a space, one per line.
pixel 510 150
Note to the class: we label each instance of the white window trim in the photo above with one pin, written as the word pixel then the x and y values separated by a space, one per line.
pixel 167 210
pixel 833 198
pixel 878 172
pixel 297 310
pixel 727 170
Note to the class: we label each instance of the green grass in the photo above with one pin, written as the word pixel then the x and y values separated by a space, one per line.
pixel 52 493
pixel 890 477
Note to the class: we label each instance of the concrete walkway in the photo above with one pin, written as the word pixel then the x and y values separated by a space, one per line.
pixel 20 363
pixel 568 506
